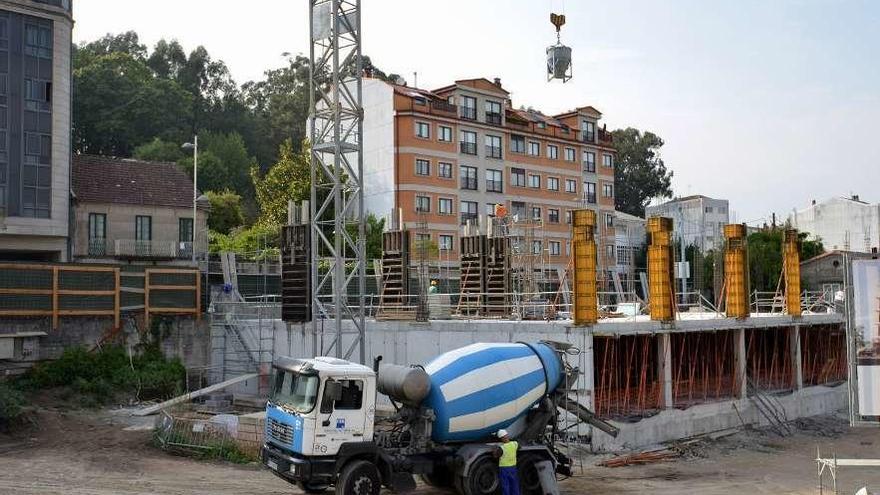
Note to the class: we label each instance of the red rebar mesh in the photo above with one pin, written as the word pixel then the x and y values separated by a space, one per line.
pixel 626 383
pixel 769 359
pixel 823 355
pixel 703 367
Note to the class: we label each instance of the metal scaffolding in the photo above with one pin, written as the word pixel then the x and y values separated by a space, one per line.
pixel 337 203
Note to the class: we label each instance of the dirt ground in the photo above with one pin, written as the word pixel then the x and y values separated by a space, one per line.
pixel 105 453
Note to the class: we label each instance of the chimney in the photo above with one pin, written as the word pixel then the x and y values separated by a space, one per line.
pixel 498 82
pixel 855 197
pixel 813 202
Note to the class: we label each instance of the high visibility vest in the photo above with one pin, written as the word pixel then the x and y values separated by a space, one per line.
pixel 508 454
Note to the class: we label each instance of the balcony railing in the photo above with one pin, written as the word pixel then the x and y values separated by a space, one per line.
pixel 590 167
pixel 589 137
pixel 591 198
pixel 472 217
pixel 138 249
pixel 443 106
pixel 468 113
pixel 494 186
pixel 493 118
pixel 469 183
pixel 493 151
pixel 469 148
pixel 605 137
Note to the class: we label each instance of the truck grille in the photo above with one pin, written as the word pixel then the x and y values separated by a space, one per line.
pixel 279 431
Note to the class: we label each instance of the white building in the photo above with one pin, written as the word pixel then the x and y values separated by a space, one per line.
pixel 630 237
pixel 848 224
pixel 698 219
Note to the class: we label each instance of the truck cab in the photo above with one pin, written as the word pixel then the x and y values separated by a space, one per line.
pixel 315 407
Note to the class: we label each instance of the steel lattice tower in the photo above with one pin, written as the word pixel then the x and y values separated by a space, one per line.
pixel 337 203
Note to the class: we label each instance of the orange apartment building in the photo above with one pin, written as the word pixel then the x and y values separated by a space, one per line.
pixel 446 157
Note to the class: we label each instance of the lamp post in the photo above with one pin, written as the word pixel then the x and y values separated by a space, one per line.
pixel 194 147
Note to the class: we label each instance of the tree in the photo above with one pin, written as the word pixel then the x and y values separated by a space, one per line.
pixel 288 180
pixel 640 174
pixel 158 151
pixel 224 163
pixel 226 211
pixel 765 257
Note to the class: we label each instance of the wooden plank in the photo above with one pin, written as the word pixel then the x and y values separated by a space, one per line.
pixel 174 310
pixel 55 298
pixel 147 298
pixel 25 266
pixel 84 268
pixel 199 297
pixel 116 302
pixel 76 292
pixel 173 287
pixel 192 395
pixel 86 312
pixel 26 292
pixel 26 312
pixel 188 271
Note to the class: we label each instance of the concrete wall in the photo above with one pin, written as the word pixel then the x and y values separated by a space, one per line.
pixel 841 224
pixel 378 148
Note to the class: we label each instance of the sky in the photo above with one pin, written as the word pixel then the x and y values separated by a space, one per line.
pixel 769 104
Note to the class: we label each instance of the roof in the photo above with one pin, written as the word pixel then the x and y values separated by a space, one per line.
pixel 105 179
pixel 589 109
pixel 836 253
pixel 629 218
pixel 476 83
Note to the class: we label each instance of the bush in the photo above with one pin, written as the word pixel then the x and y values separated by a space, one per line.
pixel 11 404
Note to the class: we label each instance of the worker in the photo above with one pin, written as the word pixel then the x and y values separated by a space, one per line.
pixel 507 464
pixel 433 289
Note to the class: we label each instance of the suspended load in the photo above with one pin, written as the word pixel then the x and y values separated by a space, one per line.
pixel 558 55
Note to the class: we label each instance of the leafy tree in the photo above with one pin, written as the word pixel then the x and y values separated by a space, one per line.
pixel 640 174
pixel 259 241
pixel 765 257
pixel 127 43
pixel 226 211
pixel 288 180
pixel 224 163
pixel 158 151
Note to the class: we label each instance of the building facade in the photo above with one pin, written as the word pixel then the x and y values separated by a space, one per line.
pixel 35 115
pixel 445 158
pixel 631 240
pixel 130 211
pixel 847 224
pixel 698 220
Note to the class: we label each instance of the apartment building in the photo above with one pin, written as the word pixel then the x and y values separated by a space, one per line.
pixel 445 158
pixel 35 100
pixel 698 219
pixel 843 223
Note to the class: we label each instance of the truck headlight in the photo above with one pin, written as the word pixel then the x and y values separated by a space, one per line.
pixel 293 469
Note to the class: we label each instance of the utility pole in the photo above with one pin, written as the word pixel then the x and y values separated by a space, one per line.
pixel 337 201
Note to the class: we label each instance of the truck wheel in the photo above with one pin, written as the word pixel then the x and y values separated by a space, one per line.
pixel 359 478
pixel 529 481
pixel 483 478
pixel 308 488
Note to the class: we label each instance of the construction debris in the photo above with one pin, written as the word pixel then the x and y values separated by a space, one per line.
pixel 192 395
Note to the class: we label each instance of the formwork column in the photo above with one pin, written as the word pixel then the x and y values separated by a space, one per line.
pixel 794 339
pixel 740 389
pixel 664 369
pixel 661 282
pixel 736 270
pixel 791 267
pixel 586 302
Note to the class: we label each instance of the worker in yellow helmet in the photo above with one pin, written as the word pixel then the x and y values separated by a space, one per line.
pixel 507 464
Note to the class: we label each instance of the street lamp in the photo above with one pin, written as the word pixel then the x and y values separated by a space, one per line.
pixel 194 147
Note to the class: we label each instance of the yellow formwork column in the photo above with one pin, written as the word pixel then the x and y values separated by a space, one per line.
pixel 791 268
pixel 736 270
pixel 660 269
pixel 583 252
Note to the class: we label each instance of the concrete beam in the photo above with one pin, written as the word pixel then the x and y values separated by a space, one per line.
pixel 664 369
pixel 794 340
pixel 740 389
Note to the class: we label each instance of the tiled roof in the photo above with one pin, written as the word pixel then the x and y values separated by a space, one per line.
pixel 104 179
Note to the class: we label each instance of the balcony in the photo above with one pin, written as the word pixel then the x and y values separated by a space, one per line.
pixel 588 137
pixel 493 118
pixel 472 217
pixel 153 250
pixel 493 152
pixel 591 198
pixel 443 106
pixel 590 167
pixel 469 183
pixel 494 186
pixel 97 248
pixel 468 113
pixel 605 137
pixel 469 148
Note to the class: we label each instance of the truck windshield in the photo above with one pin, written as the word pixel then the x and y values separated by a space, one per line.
pixel 295 391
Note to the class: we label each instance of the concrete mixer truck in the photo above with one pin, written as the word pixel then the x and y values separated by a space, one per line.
pixel 326 424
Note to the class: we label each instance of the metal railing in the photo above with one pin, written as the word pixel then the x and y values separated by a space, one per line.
pixel 589 137
pixel 133 248
pixel 468 113
pixel 469 148
pixel 493 118
pixel 494 186
pixel 493 151
pixel 469 183
pixel 97 247
pixel 443 106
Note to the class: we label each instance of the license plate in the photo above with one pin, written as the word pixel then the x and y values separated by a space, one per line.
pixel 272 465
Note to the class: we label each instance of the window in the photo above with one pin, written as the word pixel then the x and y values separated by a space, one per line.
pixel 490 209
pixel 589 162
pixel 469 142
pixel 553 215
pixel 535 181
pixel 518 177
pixel 97 234
pixel 553 183
pixel 444 134
pixel 609 251
pixel 469 211
pixel 518 209
pixel 569 154
pixel 423 130
pixel 568 217
pixel 420 100
pixel 589 131
pixel 423 240
pixel 590 192
pixel 536 213
pixel 608 190
pixel 537 247
pixel 493 146
pixel 708 209
pixel 351 398
pixel 494 181
pixel 517 144
pixel 607 161
pixel 468 108
pixel 534 148
pixel 624 255
pixel 423 167
pixel 143 228
pixel 555 248
pixel 570 186
pixel 493 112
pixel 469 178
pixel 609 220
pixel 185 229
pixel 552 151
pixel 446 242
pixel 444 170
pixel 444 206
pixel 423 204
